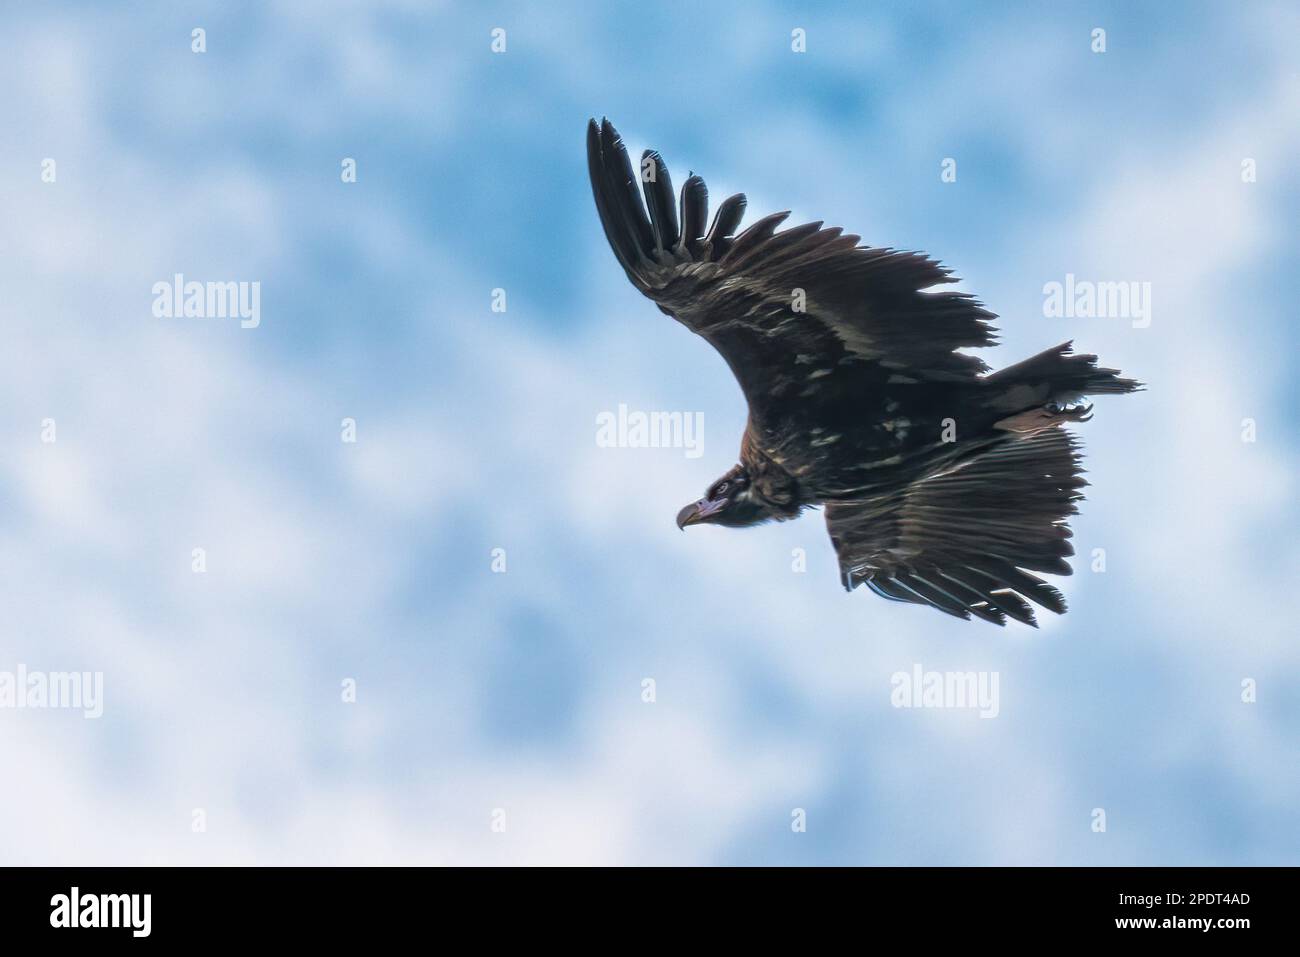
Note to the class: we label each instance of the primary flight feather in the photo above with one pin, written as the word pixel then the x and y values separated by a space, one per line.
pixel 941 484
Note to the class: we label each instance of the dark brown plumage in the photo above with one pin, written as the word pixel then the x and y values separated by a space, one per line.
pixel 942 485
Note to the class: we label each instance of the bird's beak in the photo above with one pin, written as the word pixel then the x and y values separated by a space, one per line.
pixel 698 512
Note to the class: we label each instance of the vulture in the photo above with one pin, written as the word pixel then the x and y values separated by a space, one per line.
pixel 942 483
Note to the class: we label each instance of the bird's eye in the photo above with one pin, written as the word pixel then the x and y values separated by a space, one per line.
pixel 720 490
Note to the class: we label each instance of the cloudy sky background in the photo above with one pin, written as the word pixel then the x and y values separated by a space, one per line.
pixel 476 430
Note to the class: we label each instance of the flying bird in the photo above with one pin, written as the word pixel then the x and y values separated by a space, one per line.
pixel 942 484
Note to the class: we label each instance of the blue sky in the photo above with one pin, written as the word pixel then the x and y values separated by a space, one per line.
pixel 522 691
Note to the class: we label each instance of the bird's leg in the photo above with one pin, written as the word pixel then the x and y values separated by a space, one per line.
pixel 1043 417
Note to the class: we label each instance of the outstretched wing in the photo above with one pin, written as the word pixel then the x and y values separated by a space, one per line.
pixel 966 541
pixel 782 307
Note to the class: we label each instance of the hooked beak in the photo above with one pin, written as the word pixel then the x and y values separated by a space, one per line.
pixel 698 512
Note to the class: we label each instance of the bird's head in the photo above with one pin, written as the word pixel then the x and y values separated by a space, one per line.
pixel 729 501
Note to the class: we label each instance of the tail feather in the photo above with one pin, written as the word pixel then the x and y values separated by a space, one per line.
pixel 1057 375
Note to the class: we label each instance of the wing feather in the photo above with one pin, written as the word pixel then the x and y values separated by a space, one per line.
pixel 969 539
pixel 860 304
pixel 694 214
pixel 660 200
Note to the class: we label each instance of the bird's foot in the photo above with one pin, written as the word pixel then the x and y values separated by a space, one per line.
pixel 1044 417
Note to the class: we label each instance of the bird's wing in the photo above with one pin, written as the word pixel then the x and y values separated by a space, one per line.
pixel 781 307
pixel 968 540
